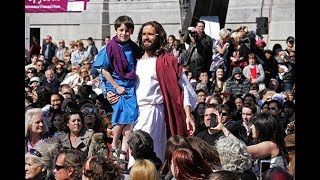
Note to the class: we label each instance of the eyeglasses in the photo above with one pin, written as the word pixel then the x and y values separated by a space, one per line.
pixel 35 152
pixel 58 167
pixel 29 72
pixel 272 108
pixel 224 114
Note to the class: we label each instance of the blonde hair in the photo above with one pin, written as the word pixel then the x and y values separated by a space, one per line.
pixel 224 33
pixel 268 94
pixel 236 36
pixel 144 169
pixel 30 113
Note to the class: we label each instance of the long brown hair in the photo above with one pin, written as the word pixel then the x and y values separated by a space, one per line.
pixel 161 38
pixel 173 143
pixel 208 152
pixel 190 164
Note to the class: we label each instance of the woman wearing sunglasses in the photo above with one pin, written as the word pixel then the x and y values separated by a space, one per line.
pixel 39 161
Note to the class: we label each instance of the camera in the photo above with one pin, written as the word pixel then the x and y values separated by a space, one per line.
pixel 193 34
pixel 212 120
pixel 191 31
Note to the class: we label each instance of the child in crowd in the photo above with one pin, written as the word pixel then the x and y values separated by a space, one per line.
pixel 203 81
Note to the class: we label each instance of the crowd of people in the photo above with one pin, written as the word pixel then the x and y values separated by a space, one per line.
pixel 161 107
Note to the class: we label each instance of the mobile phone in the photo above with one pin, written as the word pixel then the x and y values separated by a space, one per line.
pixel 264 165
pixel 212 120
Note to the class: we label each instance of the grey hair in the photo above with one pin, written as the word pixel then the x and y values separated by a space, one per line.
pixel 233 154
pixel 47 151
pixel 29 120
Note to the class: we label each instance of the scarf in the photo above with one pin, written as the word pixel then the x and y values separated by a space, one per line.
pixel 118 60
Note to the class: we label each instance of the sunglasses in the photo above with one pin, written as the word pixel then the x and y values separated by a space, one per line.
pixel 224 114
pixel 272 108
pixel 35 152
pixel 57 167
pixel 29 72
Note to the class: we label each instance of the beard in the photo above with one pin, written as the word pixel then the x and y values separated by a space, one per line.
pixel 152 47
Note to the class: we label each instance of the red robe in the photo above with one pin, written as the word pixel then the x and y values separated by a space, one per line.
pixel 168 74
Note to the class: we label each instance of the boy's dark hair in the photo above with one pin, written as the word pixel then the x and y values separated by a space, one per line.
pixel 200 90
pixel 126 20
pixel 141 144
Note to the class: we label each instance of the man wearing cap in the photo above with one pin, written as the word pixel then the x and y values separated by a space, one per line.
pixel 34 83
pixel 290 44
pixel 237 83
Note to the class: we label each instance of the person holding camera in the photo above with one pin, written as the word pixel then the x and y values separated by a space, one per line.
pixel 210 119
pixel 199 53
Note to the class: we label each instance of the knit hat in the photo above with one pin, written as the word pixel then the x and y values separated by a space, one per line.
pixel 260 41
pixel 290 38
pixel 278 97
pixel 236 70
pixel 34 79
pixel 288 104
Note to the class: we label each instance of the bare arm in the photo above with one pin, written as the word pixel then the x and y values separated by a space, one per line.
pixel 191 126
pixel 223 49
pixel 257 151
pixel 189 102
pixel 262 149
pixel 109 78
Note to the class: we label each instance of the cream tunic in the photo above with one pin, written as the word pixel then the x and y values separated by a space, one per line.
pixel 151 107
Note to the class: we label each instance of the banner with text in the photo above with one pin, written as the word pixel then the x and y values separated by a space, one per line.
pixel 49 6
